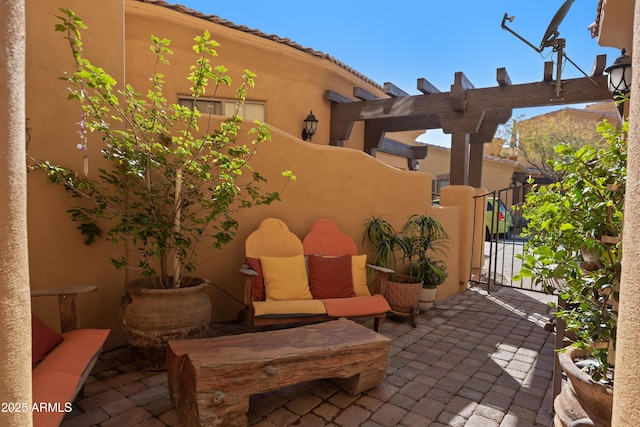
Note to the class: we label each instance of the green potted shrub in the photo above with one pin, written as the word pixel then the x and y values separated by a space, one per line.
pixel 424 239
pixel 173 180
pixel 574 250
pixel 410 253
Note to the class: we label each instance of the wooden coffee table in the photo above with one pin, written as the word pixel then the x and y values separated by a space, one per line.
pixel 210 380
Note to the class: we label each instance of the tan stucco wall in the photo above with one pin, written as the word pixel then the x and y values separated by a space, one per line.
pixel 15 320
pixel 343 184
pixel 57 255
pixel 290 81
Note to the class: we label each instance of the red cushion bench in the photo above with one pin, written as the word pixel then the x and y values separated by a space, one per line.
pixel 58 377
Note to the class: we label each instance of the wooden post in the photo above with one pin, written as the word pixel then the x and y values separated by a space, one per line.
pixel 476 154
pixel 459 165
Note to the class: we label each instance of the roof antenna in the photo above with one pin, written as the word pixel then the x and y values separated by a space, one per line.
pixel 551 39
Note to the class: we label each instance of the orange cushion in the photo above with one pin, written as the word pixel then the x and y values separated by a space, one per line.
pixel 55 389
pixel 288 308
pixel 356 306
pixel 330 277
pixel 272 238
pixel 285 278
pixel 326 238
pixel 258 281
pixel 56 379
pixel 43 340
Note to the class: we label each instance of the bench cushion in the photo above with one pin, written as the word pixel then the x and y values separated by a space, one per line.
pixel 60 375
pixel 291 308
pixel 356 306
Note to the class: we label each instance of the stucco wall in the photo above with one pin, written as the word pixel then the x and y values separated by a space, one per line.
pixel 343 184
pixel 57 255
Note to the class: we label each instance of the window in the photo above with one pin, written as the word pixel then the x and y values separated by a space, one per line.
pixel 225 107
pixel 441 180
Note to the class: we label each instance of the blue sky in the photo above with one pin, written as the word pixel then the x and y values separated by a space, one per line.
pixel 404 40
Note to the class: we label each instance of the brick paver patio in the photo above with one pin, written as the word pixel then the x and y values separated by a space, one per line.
pixel 479 359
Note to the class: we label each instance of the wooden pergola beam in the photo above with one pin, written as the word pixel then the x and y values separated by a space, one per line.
pixel 574 91
pixel 425 87
pixel 459 89
pixel 502 77
pixel 363 94
pixel 391 146
pixel 393 90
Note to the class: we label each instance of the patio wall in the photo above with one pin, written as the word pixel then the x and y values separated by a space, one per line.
pixel 340 183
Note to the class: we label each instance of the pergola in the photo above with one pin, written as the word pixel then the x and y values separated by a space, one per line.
pixel 471 116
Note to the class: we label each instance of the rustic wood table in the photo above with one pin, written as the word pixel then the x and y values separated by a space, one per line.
pixel 210 380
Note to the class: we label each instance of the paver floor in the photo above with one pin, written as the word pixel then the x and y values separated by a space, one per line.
pixel 477 359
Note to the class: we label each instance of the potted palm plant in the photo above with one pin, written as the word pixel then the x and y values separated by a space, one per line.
pixel 409 253
pixel 173 180
pixel 425 239
pixel 574 250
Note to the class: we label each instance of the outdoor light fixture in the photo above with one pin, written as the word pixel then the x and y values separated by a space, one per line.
pixel 310 126
pixel 620 74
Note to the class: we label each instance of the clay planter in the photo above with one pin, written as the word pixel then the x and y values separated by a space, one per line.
pixel 427 297
pixel 151 317
pixel 403 295
pixel 581 398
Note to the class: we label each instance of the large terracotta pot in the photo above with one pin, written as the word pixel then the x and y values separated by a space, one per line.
pixel 403 293
pixel 582 401
pixel 151 317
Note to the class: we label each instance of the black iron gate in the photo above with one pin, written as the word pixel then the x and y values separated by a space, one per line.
pixel 503 240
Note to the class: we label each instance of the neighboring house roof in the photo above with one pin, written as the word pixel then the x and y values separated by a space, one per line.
pixel 595 27
pixel 283 40
pixel 496 159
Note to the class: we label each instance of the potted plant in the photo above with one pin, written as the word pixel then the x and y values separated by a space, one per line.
pixel 425 238
pixel 409 253
pixel 574 250
pixel 172 181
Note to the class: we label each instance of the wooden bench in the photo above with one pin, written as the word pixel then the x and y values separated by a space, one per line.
pixel 210 380
pixel 59 377
pixel 273 239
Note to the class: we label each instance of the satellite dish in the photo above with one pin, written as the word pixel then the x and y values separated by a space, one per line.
pixel 550 39
pixel 552 31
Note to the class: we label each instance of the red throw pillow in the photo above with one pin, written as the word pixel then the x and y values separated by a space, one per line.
pixel 43 340
pixel 258 281
pixel 330 277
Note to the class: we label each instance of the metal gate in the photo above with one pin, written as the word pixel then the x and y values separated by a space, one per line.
pixel 503 240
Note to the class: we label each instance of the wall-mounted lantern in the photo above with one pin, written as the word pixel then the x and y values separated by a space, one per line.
pixel 620 75
pixel 310 126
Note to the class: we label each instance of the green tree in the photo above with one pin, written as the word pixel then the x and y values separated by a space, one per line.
pixel 534 140
pixel 170 183
pixel 573 246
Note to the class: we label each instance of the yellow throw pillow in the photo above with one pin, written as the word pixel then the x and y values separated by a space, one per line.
pixel 359 273
pixel 285 278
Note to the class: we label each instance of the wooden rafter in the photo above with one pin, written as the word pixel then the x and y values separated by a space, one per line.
pixel 471 115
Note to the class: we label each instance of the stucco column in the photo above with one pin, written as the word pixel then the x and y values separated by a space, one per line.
pixel 626 405
pixel 15 305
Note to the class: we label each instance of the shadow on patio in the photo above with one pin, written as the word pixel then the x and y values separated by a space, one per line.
pixel 479 359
